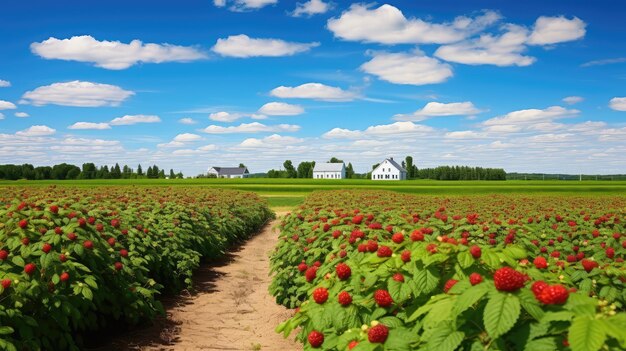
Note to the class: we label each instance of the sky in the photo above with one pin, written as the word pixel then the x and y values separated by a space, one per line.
pixel 528 86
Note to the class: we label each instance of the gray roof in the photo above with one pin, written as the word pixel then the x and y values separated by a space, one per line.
pixel 395 164
pixel 231 170
pixel 328 167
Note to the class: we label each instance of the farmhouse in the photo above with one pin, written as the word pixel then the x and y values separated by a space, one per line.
pixel 229 172
pixel 329 171
pixel 389 170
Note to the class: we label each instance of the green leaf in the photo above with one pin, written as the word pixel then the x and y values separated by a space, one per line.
pixel 425 281
pixel 87 293
pixel 586 334
pixel 469 297
pixel 501 313
pixel 4 330
pixel 445 339
pixel 465 259
pixel 542 344
pixel 18 261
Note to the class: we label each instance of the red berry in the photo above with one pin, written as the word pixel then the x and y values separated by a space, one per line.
pixel 417 235
pixel 62 258
pixel 538 287
pixel 111 241
pixel 46 247
pixel 540 262
pixel 553 295
pixel 115 223
pixel 383 298
pixel 475 278
pixel 25 241
pixel 357 219
pixel 610 252
pixel 3 255
pixel 23 223
pixel 316 339
pixel 99 227
pixel 30 268
pixel 398 277
pixel 343 271
pixel 384 251
pixel 449 284
pixel 406 256
pixel 124 253
pixel 344 298
pixel 310 273
pixel 589 265
pixel 88 244
pixel 508 279
pixel 65 276
pixel 378 334
pixel 82 222
pixel 58 231
pixel 475 251
pixel 91 220
pixel 6 283
pixel 320 295
pixel 118 266
pixel 352 344
pixel 397 238
pixel 302 267
pixel 72 236
pixel 54 209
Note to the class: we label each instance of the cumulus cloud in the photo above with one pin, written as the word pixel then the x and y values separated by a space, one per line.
pixel 272 141
pixel 244 5
pixel 242 46
pixel 134 119
pixel 187 137
pixel 187 120
pixel 89 125
pixel 517 120
pixel 553 30
pixel 21 114
pixel 4 83
pixel 6 105
pixel 464 134
pixel 384 130
pixel 77 93
pixel 254 127
pixel 315 91
pixel 388 25
pixel 503 50
pixel 113 55
pixel 209 147
pixel 618 103
pixel 411 69
pixel 438 109
pixel 35 131
pixel 310 8
pixel 281 109
pixel 571 100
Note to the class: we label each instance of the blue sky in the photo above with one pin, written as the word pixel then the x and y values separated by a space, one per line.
pixel 528 86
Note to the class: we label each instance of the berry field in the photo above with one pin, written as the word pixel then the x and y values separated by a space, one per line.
pixel 376 270
pixel 77 260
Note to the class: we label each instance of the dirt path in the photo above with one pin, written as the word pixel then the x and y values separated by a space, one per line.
pixel 231 310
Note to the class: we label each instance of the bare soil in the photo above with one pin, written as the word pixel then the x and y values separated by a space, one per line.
pixel 231 308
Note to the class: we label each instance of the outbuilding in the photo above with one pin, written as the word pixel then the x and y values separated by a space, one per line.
pixel 389 170
pixel 329 170
pixel 229 172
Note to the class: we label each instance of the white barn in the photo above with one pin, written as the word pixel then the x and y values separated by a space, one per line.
pixel 329 171
pixel 389 170
pixel 229 172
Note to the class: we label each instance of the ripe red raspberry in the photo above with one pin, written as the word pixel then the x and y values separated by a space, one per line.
pixel 62 258
pixel 538 287
pixel 58 231
pixel 372 246
pixel 397 238
pixel 432 248
pixel 406 256
pixel 6 283
pixel 316 339
pixel 553 295
pixel 111 241
pixel 378 334
pixel 610 252
pixel 302 267
pixel 357 219
pixel 118 266
pixel 449 284
pixel 88 244
pixel 343 271
pixel 310 273
pixel 91 220
pixel 65 276
pixel 23 223
pixel 384 251
pixel 30 268
pixel 417 235
pixel 336 234
pixel 540 262
pixel 46 247
pixel 508 279
pixel 344 298
pixel 475 251
pixel 3 255
pixel 82 222
pixel 72 236
pixel 124 253
pixel 320 295
pixel 589 265
pixel 25 241
pixel 362 248
pixel 475 278
pixel 115 223
pixel 54 209
pixel 383 298
pixel 352 344
pixel 398 277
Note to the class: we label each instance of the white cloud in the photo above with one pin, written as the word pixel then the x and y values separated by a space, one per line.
pixel 187 137
pixel 244 5
pixel 254 127
pixel 315 91
pixel 225 116
pixel 438 109
pixel 243 46
pixel 503 50
pixel 187 120
pixel 21 114
pixel 36 131
pixel 571 100
pixel 464 134
pixel 6 105
pixel 384 130
pixel 531 116
pixel 209 147
pixel 414 69
pixel 4 83
pixel 553 30
pixel 171 144
pixel 281 109
pixel 77 93
pixel 89 125
pixel 387 25
pixel 272 141
pixel 84 141
pixel 134 119
pixel 1 116
pixel 310 8
pixel 113 55
pixel 618 103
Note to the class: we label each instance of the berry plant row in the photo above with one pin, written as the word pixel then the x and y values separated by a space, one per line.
pixel 77 260
pixel 373 270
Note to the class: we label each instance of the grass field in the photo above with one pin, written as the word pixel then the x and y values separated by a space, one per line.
pixel 283 194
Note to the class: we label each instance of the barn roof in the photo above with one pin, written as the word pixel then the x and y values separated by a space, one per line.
pixel 328 167
pixel 231 170
pixel 395 164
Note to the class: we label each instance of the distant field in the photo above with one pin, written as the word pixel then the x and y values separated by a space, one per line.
pixel 283 194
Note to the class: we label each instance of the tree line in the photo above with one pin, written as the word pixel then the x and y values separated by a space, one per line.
pixel 66 171
pixel 305 170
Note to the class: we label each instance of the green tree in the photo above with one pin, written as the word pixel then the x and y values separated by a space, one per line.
pixel 291 171
pixel 139 170
pixel 349 171
pixel 172 174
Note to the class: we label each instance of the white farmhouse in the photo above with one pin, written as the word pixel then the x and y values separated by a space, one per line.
pixel 329 171
pixel 389 170
pixel 229 172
